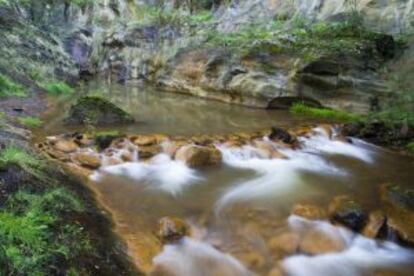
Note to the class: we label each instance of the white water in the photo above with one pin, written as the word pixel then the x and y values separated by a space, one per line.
pixel 362 256
pixel 190 258
pixel 160 173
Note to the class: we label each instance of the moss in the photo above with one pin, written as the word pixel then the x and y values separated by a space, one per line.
pixel 31 122
pixel 410 147
pixel 9 89
pixel 323 113
pixel 57 88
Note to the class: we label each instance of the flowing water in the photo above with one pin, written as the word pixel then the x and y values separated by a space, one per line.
pixel 235 209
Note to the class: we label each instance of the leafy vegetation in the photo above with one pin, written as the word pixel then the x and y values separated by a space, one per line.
pixel 13 155
pixel 31 122
pixel 33 232
pixel 324 113
pixel 8 88
pixel 58 88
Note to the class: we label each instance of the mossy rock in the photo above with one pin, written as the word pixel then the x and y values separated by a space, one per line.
pixel 347 212
pixel 97 111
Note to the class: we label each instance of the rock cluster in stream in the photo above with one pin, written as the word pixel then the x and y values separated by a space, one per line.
pixel 394 218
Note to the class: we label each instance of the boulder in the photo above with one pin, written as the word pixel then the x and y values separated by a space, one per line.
pixel 348 212
pixel 309 211
pixel 65 146
pixel 172 229
pixel 196 156
pixel 97 111
pixel 149 151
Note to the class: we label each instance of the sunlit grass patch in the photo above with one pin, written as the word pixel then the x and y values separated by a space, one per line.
pixel 31 122
pixel 8 88
pixel 57 88
pixel 324 113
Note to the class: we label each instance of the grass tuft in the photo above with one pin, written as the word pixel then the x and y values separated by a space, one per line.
pixel 324 113
pixel 31 122
pixel 58 88
pixel 13 155
pixel 9 89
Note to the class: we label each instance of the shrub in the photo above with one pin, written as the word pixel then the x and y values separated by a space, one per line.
pixel 31 122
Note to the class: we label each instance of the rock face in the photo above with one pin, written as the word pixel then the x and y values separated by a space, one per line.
pixel 97 111
pixel 348 212
pixel 197 156
pixel 172 229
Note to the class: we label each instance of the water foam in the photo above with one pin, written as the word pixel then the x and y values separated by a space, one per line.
pixel 161 173
pixel 362 256
pixel 191 257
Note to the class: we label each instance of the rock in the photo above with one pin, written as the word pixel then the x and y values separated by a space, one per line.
pixel 196 156
pixel 399 211
pixel 268 150
pixel 144 140
pixel 65 146
pixel 104 139
pixel 172 229
pixel 309 211
pixel 376 220
pixel 284 244
pixel 348 212
pixel 316 242
pixel 149 151
pixel 88 160
pixel 97 111
pixel 282 135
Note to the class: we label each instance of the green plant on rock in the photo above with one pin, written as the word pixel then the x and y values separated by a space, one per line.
pixel 9 89
pixel 324 113
pixel 57 88
pixel 31 122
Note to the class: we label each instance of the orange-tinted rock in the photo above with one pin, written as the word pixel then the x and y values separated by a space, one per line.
pixel 346 211
pixel 145 140
pixel 375 221
pixel 196 156
pixel 149 151
pixel 284 244
pixel 88 160
pixel 65 146
pixel 316 242
pixel 309 211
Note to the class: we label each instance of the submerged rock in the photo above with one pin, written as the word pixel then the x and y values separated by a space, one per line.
pixel 348 212
pixel 376 221
pixel 316 242
pixel 309 211
pixel 172 229
pixel 97 111
pixel 196 156
pixel 284 244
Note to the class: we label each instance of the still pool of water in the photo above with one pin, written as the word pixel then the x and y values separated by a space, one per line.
pixel 236 208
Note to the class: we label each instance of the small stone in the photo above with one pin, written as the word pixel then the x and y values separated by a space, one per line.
pixel 284 244
pixel 309 211
pixel 172 229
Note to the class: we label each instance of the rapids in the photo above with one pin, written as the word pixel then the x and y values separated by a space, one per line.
pixel 237 208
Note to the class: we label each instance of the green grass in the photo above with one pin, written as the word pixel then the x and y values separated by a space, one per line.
pixel 410 147
pixel 57 88
pixel 199 18
pixel 9 89
pixel 13 155
pixel 324 113
pixel 34 235
pixel 31 122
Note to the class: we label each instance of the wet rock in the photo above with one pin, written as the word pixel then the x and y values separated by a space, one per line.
pixel 65 146
pixel 282 135
pixel 309 211
pixel 88 160
pixel 104 139
pixel 144 140
pixel 149 151
pixel 196 156
pixel 348 212
pixel 268 150
pixel 172 229
pixel 399 211
pixel 276 271
pixel 284 244
pixel 376 221
pixel 97 111
pixel 316 242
